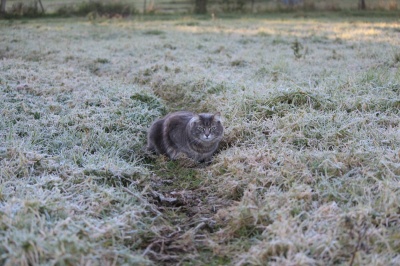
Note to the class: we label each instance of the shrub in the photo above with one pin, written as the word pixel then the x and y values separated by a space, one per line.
pixel 99 8
pixel 29 9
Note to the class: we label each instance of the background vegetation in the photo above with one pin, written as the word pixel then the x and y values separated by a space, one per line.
pixel 307 174
pixel 130 7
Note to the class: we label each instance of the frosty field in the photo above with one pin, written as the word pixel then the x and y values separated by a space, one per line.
pixel 308 172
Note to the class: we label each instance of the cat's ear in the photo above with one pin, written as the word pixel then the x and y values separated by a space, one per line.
pixel 195 118
pixel 217 116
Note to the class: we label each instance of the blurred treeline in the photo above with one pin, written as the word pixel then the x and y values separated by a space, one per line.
pixel 123 8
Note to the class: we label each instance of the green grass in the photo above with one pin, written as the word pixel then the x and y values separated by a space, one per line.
pixel 307 173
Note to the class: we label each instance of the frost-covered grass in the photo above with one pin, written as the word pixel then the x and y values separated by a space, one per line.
pixel 308 172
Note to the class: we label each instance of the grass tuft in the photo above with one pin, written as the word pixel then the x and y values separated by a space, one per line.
pixel 154 32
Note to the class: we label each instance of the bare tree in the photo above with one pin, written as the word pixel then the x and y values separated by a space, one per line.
pixel 41 5
pixel 362 5
pixel 200 6
pixel 3 7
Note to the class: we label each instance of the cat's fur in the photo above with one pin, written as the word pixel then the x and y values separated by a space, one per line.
pixel 195 135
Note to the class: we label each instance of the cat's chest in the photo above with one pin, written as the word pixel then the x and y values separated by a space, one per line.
pixel 201 156
pixel 199 151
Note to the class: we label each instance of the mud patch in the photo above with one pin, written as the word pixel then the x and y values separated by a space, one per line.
pixel 187 207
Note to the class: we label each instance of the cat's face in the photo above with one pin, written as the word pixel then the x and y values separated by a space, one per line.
pixel 207 127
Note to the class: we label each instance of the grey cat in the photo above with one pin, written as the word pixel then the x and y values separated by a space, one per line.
pixel 195 135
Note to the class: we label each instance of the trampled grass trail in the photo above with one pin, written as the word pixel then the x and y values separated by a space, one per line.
pixel 307 174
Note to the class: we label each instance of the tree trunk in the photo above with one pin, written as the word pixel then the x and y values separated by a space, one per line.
pixel 41 6
pixel 200 7
pixel 3 7
pixel 362 5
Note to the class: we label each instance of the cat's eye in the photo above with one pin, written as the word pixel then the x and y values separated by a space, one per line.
pixel 213 128
pixel 201 128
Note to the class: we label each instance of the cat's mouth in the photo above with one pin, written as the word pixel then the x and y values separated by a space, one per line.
pixel 207 138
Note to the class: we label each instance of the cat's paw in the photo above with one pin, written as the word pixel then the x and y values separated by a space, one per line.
pixel 147 152
pixel 207 161
pixel 184 161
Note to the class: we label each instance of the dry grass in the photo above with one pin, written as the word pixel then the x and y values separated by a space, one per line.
pixel 308 172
